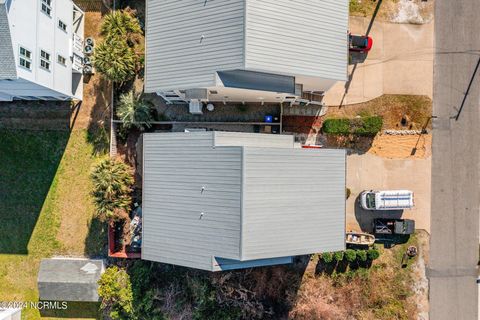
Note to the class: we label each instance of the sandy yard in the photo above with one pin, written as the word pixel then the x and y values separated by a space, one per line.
pixel 402 147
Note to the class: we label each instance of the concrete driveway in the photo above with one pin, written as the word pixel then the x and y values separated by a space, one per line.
pixel 367 171
pixel 400 62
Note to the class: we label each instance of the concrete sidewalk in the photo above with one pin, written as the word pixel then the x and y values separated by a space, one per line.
pixel 400 62
pixel 367 171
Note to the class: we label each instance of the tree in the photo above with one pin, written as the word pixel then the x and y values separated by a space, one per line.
pixel 115 289
pixel 122 24
pixel 338 256
pixel 133 111
pixel 327 257
pixel 115 59
pixel 362 255
pixel 112 182
pixel 350 255
pixel 373 254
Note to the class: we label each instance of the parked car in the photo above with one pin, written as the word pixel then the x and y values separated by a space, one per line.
pixel 387 200
pixel 359 43
pixel 393 226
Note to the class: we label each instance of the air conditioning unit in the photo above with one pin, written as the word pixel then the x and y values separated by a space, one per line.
pixel 87 49
pixel 90 42
pixel 88 69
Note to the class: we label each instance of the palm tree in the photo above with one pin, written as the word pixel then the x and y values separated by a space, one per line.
pixel 122 23
pixel 115 59
pixel 112 183
pixel 133 111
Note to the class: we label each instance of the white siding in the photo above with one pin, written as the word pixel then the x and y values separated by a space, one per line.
pixel 35 31
pixel 176 167
pixel 176 55
pixel 301 37
pixel 293 203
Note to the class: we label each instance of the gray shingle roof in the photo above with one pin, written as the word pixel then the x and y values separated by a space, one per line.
pixel 7 59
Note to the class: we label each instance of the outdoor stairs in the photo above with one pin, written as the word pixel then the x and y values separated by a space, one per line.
pixel 35 115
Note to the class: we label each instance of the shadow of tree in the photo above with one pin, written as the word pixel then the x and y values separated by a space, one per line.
pixel 97 239
pixel 30 160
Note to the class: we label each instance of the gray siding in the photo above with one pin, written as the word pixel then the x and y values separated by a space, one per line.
pixel 176 167
pixel 253 140
pixel 301 37
pixel 294 202
pixel 176 57
pixel 8 68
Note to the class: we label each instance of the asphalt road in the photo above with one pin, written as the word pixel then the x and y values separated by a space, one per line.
pixel 455 204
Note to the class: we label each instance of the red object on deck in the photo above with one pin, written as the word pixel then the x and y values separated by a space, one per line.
pixel 312 147
pixel 123 252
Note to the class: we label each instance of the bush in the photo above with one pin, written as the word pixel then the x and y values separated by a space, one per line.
pixel 327 257
pixel 350 255
pixel 362 255
pixel 348 192
pixel 112 183
pixel 122 24
pixel 116 57
pixel 133 111
pixel 115 290
pixel 338 256
pixel 373 254
pixel 336 126
pixel 366 126
pixel 370 126
pixel 115 60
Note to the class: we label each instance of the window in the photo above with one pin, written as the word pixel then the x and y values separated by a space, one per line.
pixel 61 60
pixel 62 25
pixel 45 60
pixel 47 7
pixel 25 58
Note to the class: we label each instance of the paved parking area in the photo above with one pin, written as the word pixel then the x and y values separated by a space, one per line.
pixel 367 171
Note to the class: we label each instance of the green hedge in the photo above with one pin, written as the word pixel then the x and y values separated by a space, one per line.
pixel 366 126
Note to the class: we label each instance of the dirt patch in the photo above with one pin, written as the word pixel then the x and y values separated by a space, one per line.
pixel 397 11
pixel 402 147
pixel 94 109
pixel 400 112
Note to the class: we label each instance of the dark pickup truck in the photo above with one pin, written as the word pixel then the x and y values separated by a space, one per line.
pixel 393 226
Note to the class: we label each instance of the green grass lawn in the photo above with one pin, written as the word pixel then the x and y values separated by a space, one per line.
pixel 44 196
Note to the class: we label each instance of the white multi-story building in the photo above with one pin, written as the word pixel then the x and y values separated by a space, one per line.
pixel 41 50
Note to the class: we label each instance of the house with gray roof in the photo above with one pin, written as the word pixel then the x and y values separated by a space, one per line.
pixel 222 200
pixel 245 50
pixel 41 50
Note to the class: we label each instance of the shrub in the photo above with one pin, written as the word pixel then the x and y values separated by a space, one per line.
pixel 115 290
pixel 362 255
pixel 112 182
pixel 348 192
pixel 115 57
pixel 370 126
pixel 366 126
pixel 350 255
pixel 338 256
pixel 336 126
pixel 373 254
pixel 134 111
pixel 115 60
pixel 123 24
pixel 327 257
